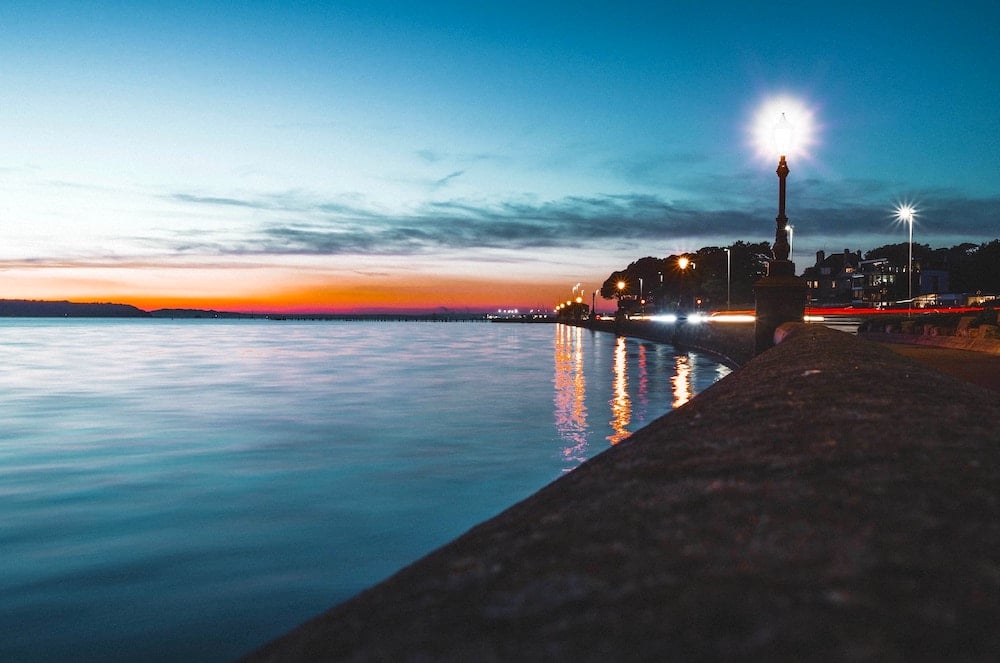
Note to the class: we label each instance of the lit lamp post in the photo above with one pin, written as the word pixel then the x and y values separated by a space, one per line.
pixel 906 214
pixel 683 263
pixel 729 276
pixel 781 296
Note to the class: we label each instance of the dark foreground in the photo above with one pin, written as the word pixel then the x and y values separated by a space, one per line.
pixel 829 501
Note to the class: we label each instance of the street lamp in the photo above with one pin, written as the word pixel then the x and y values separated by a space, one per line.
pixel 729 276
pixel 683 263
pixel 781 296
pixel 906 213
pixel 782 137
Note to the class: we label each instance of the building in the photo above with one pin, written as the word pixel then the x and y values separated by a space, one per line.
pixel 874 283
pixel 880 283
pixel 830 279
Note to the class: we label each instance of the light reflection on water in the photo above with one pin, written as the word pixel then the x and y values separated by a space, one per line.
pixel 646 380
pixel 621 402
pixel 570 394
pixel 187 490
pixel 682 380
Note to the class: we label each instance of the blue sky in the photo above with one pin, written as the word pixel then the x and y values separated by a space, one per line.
pixel 388 154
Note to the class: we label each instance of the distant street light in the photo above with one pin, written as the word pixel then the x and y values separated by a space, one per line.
pixel 729 276
pixel 905 213
pixel 683 263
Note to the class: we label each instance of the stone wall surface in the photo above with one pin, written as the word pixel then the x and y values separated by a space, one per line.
pixel 828 501
pixel 731 343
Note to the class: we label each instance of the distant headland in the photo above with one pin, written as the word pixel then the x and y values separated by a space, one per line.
pixel 30 308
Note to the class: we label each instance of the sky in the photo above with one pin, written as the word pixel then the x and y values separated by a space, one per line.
pixel 373 155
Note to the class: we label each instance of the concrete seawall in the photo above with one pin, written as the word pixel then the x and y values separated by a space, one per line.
pixel 731 343
pixel 829 500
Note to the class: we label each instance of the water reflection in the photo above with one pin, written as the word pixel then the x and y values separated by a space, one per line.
pixel 681 381
pixel 570 394
pixel 632 382
pixel 621 403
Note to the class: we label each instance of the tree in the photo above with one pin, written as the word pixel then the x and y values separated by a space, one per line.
pixel 666 286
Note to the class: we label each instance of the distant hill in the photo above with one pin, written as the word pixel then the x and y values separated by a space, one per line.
pixel 199 313
pixel 30 308
pixel 27 308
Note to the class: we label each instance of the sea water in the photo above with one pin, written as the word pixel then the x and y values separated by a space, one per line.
pixel 188 490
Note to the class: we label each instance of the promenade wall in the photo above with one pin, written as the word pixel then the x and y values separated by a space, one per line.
pixel 979 333
pixel 828 501
pixel 731 343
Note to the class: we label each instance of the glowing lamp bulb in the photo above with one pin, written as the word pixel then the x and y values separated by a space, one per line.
pixel 905 213
pixel 682 263
pixel 782 136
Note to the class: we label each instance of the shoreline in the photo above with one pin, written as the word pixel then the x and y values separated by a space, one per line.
pixel 727 530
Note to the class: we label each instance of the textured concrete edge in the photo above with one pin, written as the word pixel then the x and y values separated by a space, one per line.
pixel 580 569
pixel 985 345
pixel 731 344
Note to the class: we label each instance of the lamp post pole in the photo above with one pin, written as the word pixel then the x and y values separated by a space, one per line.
pixel 909 263
pixel 729 277
pixel 906 214
pixel 781 246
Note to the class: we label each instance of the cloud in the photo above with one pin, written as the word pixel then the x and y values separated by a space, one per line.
pixel 447 178
pixel 214 200
pixel 338 228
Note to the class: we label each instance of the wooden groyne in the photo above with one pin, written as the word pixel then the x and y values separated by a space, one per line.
pixel 828 501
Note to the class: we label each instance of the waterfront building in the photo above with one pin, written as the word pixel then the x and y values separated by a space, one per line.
pixel 830 279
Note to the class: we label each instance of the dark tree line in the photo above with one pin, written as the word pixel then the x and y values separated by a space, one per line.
pixel 680 281
pixel 668 283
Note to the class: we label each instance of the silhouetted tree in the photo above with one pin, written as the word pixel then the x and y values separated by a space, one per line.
pixel 984 269
pixel 666 286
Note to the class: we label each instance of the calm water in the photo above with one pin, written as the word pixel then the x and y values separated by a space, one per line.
pixel 188 490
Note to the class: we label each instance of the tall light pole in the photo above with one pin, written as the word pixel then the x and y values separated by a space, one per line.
pixel 729 276
pixel 905 213
pixel 683 263
pixel 791 247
